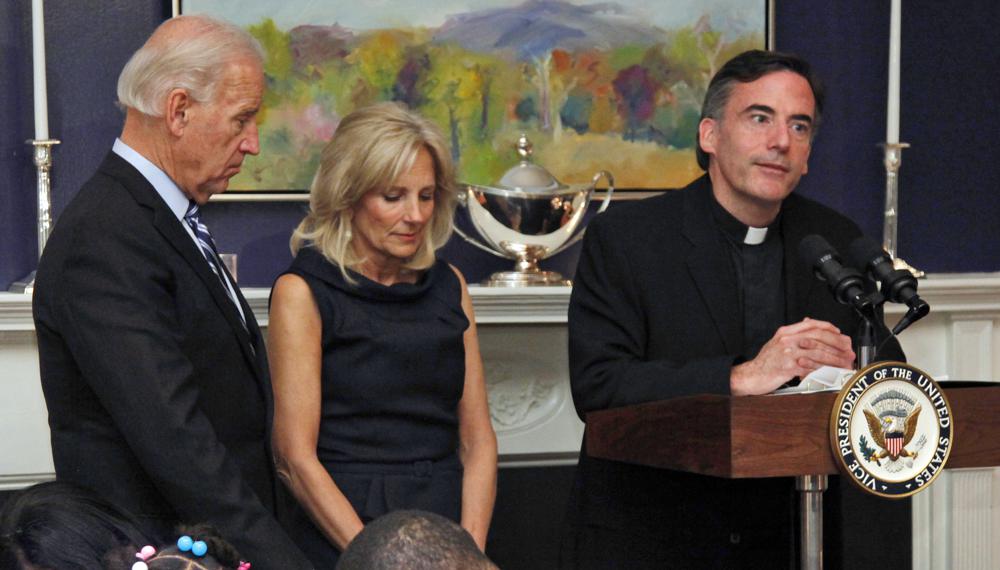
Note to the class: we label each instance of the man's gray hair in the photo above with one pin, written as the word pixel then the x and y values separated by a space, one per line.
pixel 196 64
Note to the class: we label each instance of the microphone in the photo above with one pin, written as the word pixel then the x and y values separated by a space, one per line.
pixel 846 283
pixel 897 285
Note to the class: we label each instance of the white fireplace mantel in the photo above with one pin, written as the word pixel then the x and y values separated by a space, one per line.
pixel 946 293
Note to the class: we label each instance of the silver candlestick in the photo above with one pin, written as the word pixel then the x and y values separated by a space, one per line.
pixel 893 161
pixel 43 166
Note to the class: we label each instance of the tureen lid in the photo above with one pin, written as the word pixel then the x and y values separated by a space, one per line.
pixel 527 176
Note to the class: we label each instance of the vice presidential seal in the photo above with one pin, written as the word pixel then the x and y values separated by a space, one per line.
pixel 891 429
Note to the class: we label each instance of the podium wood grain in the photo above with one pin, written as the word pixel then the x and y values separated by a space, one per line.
pixel 766 436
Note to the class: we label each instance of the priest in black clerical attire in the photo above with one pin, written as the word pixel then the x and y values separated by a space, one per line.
pixel 700 290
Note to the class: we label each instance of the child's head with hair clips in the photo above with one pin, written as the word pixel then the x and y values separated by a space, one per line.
pixel 198 547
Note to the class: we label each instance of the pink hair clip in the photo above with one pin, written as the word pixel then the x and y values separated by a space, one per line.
pixel 244 565
pixel 143 555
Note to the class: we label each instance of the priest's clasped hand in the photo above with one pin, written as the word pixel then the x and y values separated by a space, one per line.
pixel 794 350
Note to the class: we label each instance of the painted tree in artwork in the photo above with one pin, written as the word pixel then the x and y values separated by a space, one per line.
pixel 542 64
pixel 456 90
pixel 696 53
pixel 378 59
pixel 278 61
pixel 636 90
pixel 675 118
pixel 564 80
pixel 583 91
pixel 409 80
pixel 287 105
pixel 463 92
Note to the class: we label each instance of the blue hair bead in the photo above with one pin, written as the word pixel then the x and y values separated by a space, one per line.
pixel 199 548
pixel 185 543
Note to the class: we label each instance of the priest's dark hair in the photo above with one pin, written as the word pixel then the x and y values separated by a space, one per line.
pixel 747 67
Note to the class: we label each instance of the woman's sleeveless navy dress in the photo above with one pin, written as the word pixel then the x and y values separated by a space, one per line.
pixel 393 371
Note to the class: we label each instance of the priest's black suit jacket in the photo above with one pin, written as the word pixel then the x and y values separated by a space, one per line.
pixel 655 314
pixel 158 398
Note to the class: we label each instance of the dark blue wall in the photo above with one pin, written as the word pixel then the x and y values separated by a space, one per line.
pixel 950 178
pixel 949 181
pixel 17 204
pixel 952 218
pixel 87 44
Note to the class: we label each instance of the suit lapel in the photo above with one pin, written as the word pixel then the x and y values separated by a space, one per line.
pixel 709 265
pixel 167 224
pixel 800 282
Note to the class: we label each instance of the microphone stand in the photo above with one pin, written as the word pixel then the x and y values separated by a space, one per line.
pixel 811 487
pixel 866 344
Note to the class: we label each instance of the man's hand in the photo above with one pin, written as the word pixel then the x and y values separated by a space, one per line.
pixel 794 350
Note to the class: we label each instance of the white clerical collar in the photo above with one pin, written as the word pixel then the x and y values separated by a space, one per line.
pixel 755 236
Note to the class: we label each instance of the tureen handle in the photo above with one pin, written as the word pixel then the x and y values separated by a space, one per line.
pixel 462 197
pixel 611 188
pixel 604 206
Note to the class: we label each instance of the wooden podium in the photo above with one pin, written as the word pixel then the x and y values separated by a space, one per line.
pixel 772 436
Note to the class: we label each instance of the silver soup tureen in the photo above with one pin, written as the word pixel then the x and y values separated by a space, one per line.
pixel 528 217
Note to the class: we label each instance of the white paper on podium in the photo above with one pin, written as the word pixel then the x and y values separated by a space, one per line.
pixel 827 379
pixel 823 379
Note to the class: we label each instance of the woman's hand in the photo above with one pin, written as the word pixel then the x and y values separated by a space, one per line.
pixel 478 442
pixel 295 353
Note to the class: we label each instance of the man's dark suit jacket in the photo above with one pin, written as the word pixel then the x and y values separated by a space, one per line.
pixel 654 314
pixel 158 398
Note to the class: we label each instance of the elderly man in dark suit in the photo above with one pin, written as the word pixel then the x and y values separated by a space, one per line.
pixel 153 367
pixel 701 290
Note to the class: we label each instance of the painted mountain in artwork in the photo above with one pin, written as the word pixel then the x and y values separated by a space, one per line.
pixel 315 44
pixel 537 26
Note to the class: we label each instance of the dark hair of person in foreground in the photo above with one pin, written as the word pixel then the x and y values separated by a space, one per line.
pixel 62 526
pixel 413 540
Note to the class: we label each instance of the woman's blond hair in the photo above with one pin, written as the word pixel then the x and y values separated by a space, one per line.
pixel 372 147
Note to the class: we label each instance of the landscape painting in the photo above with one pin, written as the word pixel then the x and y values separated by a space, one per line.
pixel 595 85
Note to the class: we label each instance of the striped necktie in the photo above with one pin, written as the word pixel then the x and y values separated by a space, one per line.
pixel 207 246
